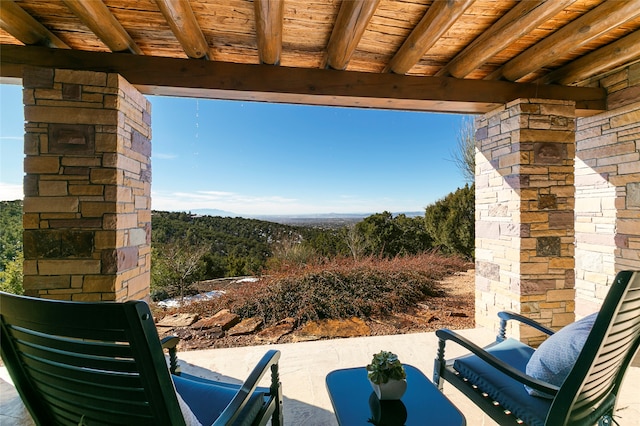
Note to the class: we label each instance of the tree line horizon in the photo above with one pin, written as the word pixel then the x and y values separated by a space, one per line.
pixel 188 247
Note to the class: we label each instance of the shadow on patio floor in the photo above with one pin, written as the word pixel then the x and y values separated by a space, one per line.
pixel 304 366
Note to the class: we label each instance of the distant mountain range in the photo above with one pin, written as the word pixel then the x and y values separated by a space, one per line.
pixel 288 217
pixel 214 212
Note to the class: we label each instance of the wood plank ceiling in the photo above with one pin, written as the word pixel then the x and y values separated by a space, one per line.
pixel 442 55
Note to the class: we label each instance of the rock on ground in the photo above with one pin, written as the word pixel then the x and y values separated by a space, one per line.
pixel 455 310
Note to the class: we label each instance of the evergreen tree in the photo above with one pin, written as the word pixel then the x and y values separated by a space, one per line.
pixel 451 222
pixel 11 255
pixel 388 236
pixel 381 234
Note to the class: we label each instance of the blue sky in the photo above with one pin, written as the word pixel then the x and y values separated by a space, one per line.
pixel 268 159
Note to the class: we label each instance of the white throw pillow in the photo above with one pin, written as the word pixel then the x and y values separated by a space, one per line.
pixel 189 418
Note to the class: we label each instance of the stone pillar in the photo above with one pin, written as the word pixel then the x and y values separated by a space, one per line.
pixel 608 191
pixel 524 214
pixel 87 204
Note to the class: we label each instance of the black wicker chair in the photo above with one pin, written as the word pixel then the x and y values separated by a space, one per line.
pixel 494 377
pixel 103 364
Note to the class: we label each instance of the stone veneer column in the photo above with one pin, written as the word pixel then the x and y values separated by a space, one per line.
pixel 524 214
pixel 608 191
pixel 87 205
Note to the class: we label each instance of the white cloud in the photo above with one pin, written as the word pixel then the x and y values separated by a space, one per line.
pixel 223 200
pixel 12 138
pixel 209 195
pixel 244 204
pixel 10 192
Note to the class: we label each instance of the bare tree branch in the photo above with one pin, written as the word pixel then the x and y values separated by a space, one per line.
pixel 356 242
pixel 464 155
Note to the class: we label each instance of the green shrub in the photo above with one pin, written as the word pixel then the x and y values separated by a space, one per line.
pixel 11 255
pixel 11 276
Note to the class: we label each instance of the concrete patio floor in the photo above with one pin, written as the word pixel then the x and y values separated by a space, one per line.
pixel 304 366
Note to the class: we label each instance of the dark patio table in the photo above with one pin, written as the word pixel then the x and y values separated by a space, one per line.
pixel 355 403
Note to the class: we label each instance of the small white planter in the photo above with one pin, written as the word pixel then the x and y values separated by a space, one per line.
pixel 393 389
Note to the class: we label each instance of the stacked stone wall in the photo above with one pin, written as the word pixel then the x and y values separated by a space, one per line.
pixel 524 214
pixel 608 190
pixel 87 205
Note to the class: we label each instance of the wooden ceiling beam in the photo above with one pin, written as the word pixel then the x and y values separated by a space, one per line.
pixel 592 24
pixel 96 16
pixel 352 21
pixel 265 83
pixel 440 16
pixel 269 17
pixel 618 53
pixel 519 21
pixel 182 21
pixel 17 22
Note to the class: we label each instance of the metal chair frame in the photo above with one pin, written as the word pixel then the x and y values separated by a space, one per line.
pixel 588 394
pixel 103 364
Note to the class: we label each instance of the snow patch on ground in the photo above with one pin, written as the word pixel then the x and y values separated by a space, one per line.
pixel 247 280
pixel 176 302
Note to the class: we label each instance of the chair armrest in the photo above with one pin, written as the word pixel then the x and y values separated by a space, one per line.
pixel 507 315
pixel 539 385
pixel 268 362
pixel 170 343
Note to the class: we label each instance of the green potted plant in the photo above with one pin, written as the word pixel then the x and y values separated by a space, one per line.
pixel 387 376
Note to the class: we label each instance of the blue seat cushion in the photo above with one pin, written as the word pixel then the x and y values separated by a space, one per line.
pixel 510 393
pixel 207 399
